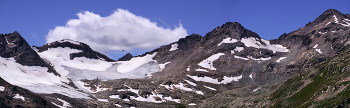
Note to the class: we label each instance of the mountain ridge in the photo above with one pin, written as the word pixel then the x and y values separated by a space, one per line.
pixel 230 66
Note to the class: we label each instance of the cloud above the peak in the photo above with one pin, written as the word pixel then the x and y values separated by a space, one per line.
pixel 121 30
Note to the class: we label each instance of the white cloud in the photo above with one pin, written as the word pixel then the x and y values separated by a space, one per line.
pixel 121 30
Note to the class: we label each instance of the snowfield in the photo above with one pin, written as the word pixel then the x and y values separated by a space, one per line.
pixel 228 40
pixel 208 63
pixel 135 62
pixel 254 42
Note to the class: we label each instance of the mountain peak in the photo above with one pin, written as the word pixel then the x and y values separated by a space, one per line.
pixel 328 14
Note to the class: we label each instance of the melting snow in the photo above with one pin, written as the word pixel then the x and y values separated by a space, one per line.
pixel 208 63
pixel 239 49
pixel 254 42
pixel 241 57
pixel 174 47
pixel 228 40
pixel 17 96
pixel 209 88
pixel 192 83
pixel 162 66
pixel 182 87
pixel 203 70
pixel 2 88
pixel 215 81
pixel 281 58
pixel 135 62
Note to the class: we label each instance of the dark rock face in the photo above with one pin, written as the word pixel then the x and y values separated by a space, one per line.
pixel 87 51
pixel 126 57
pixel 14 45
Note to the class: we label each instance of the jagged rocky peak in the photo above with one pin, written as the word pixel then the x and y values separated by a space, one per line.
pixel 86 50
pixel 126 57
pixel 331 16
pixel 13 45
pixel 231 29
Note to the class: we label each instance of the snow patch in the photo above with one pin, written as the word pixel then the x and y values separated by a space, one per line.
pixel 228 40
pixel 118 105
pixel 2 88
pixel 70 41
pixel 103 100
pixel 259 58
pixel 162 66
pixel 315 46
pixel 251 76
pixel 114 96
pixel 239 49
pixel 192 104
pixel 209 88
pixel 322 33
pixel 328 23
pixel 254 42
pixel 215 81
pixel 192 83
pixel 281 58
pixel 208 63
pixel 232 51
pixel 17 96
pixel 135 62
pixel 256 89
pixel 203 70
pixel 319 51
pixel 182 87
pixel 174 47
pixel 345 20
pixel 188 68
pixel 241 57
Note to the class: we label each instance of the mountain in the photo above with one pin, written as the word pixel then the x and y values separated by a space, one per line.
pixel 230 66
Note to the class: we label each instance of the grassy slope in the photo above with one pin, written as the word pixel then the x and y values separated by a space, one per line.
pixel 328 79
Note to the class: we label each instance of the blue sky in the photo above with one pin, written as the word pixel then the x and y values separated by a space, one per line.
pixel 34 19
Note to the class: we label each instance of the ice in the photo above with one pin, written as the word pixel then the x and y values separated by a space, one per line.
pixel 203 70
pixel 319 51
pixel 135 62
pixel 188 68
pixel 228 40
pixel 17 96
pixel 208 63
pixel 254 42
pixel 192 104
pixel 174 47
pixel 118 105
pixel 281 58
pixel 192 83
pixel 215 81
pixel 241 57
pixel 209 88
pixel 251 76
pixel 315 46
pixel 162 66
pixel 2 88
pixel 239 49
pixel 103 100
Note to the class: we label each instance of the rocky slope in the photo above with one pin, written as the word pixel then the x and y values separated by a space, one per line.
pixel 230 66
